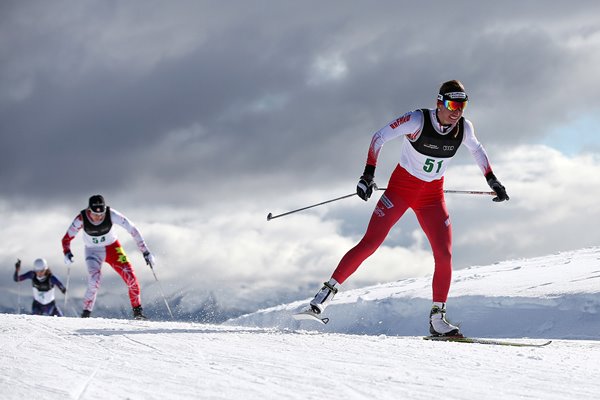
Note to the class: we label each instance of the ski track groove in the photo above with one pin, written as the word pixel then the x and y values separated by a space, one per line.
pixel 141 343
pixel 89 381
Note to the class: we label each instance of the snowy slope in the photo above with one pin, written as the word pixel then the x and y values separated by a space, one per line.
pixel 556 296
pixel 96 358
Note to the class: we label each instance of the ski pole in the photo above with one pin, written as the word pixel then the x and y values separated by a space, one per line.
pixel 270 216
pixel 72 309
pixel 161 291
pixel 490 193
pixel 18 290
pixel 67 286
pixel 18 297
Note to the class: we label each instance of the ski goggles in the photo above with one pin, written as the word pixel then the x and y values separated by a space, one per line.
pixel 452 105
pixel 98 214
pixel 454 100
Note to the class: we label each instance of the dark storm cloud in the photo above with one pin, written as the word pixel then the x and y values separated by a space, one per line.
pixel 102 94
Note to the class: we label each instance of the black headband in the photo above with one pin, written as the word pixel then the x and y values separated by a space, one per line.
pixel 454 96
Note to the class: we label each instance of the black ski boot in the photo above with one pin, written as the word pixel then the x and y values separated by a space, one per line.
pixel 438 325
pixel 138 313
pixel 86 314
pixel 323 298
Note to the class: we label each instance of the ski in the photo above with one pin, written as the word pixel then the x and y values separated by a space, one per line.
pixel 495 342
pixel 309 315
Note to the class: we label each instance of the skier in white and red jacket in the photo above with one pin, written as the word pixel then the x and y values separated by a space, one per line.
pixel 102 245
pixel 432 137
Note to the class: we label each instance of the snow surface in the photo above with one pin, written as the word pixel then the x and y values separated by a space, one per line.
pixel 371 349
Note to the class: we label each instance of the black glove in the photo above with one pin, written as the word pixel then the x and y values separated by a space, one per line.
pixel 64 290
pixel 68 257
pixel 150 260
pixel 366 184
pixel 497 187
pixel 18 264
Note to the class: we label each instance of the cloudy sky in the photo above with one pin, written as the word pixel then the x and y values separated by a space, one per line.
pixel 198 118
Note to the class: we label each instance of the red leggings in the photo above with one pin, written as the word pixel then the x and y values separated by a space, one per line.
pixel 427 201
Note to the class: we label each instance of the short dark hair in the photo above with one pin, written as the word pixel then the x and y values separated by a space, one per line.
pixel 453 90
pixel 452 86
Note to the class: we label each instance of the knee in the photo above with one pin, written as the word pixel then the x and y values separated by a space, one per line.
pixel 370 244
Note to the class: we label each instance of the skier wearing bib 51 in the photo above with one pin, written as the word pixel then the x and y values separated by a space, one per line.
pixel 102 245
pixel 432 137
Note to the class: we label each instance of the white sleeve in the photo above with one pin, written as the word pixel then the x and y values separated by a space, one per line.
pixel 119 219
pixel 409 124
pixel 476 148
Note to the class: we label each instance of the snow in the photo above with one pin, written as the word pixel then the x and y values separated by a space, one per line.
pixel 371 349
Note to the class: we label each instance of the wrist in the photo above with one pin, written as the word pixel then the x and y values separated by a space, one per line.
pixel 490 176
pixel 369 171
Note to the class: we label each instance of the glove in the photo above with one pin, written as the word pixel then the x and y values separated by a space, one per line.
pixel 497 187
pixel 18 265
pixel 150 260
pixel 69 257
pixel 365 185
pixel 63 291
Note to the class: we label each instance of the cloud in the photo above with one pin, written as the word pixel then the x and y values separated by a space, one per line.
pixel 233 249
pixel 212 115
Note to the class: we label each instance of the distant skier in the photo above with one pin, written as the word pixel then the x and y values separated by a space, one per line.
pixel 43 282
pixel 102 245
pixel 432 138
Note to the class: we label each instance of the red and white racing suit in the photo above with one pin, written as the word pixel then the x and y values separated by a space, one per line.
pixel 417 183
pixel 102 245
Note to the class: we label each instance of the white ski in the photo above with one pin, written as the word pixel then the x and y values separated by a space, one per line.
pixel 309 314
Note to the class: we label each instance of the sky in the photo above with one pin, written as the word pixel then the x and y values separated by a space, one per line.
pixel 371 348
pixel 196 119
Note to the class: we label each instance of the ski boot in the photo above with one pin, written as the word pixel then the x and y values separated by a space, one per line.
pixel 323 298
pixel 86 314
pixel 438 325
pixel 138 313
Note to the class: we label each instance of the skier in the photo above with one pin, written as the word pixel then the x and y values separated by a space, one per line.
pixel 432 137
pixel 43 282
pixel 102 245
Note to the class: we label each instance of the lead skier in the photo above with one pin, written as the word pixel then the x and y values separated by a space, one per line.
pixel 432 138
pixel 102 245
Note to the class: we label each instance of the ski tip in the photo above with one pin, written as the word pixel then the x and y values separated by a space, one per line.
pixel 269 216
pixel 311 316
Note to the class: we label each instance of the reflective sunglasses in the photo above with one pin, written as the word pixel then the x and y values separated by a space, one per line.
pixel 455 105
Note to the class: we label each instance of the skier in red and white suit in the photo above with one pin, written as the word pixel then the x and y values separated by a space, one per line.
pixel 432 139
pixel 102 245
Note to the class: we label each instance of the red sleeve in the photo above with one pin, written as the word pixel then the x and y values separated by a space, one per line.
pixel 66 243
pixel 71 232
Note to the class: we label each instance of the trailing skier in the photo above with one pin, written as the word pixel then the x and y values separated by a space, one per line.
pixel 43 282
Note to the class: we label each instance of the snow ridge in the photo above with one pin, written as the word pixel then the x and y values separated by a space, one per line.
pixel 556 296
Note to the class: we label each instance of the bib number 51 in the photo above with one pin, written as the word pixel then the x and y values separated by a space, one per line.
pixel 430 165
